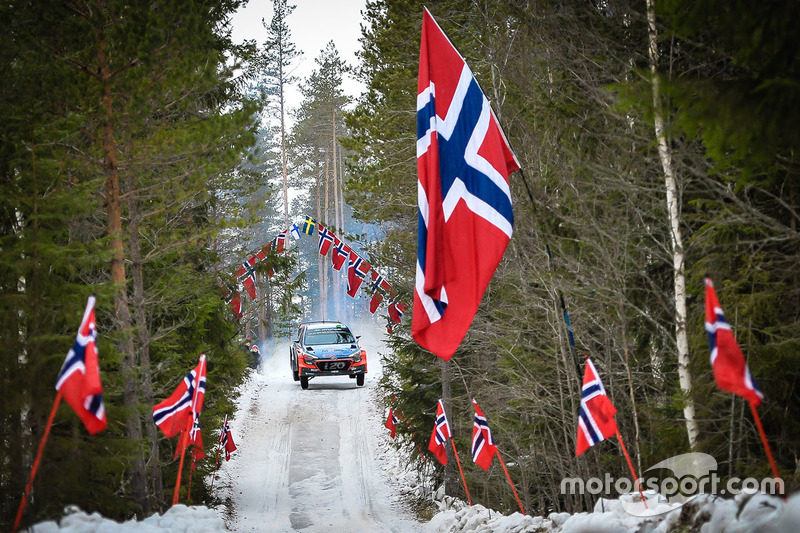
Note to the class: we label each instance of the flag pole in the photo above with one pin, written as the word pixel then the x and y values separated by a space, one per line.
pixel 503 464
pixel 469 499
pixel 191 470
pixel 216 461
pixel 764 441
pixel 36 462
pixel 185 433
pixel 630 466
pixel 182 444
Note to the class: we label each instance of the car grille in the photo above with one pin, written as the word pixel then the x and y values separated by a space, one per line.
pixel 329 366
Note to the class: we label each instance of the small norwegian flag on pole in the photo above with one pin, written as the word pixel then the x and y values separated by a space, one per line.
pixel 441 434
pixel 727 360
pixel 391 422
pixel 79 384
pixel 483 448
pixel 730 369
pixel 226 443
pixel 596 421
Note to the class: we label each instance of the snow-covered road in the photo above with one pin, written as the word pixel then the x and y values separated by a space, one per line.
pixel 310 460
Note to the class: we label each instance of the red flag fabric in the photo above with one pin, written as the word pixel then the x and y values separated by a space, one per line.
pixel 234 301
pixel 279 243
pixel 727 360
pixel 247 276
pixel 396 310
pixel 226 439
pixel 483 448
pixel 357 270
pixel 391 422
pixel 340 252
pixel 79 377
pixel 326 239
pixel 172 414
pixel 441 433
pixel 596 421
pixel 465 214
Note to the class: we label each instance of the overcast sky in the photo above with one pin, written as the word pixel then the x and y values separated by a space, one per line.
pixel 313 23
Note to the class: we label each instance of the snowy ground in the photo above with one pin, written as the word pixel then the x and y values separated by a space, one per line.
pixel 319 461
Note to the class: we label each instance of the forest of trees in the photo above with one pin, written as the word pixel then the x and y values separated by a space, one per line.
pixel 653 154
pixel 144 155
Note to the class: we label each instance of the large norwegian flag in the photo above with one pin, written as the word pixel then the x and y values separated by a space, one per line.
pixel 325 239
pixel 357 270
pixel 483 448
pixel 465 215
pixel 441 433
pixel 596 421
pixel 173 414
pixel 727 360
pixel 79 377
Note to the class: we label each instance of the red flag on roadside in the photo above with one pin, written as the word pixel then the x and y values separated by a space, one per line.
pixel 441 433
pixel 391 422
pixel 79 377
pixel 465 214
pixel 727 360
pixel 483 448
pixel 596 421
pixel 172 414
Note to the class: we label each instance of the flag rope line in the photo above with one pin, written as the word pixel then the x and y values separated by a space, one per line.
pixel 463 479
pixel 36 462
pixel 503 464
pixel 630 466
pixel 764 441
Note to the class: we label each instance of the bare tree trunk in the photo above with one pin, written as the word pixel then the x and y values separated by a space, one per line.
pixel 130 395
pixel 673 208
pixel 142 330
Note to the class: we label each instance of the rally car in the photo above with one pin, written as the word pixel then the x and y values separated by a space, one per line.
pixel 326 349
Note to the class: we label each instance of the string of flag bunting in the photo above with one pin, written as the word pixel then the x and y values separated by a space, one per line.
pixel 358 270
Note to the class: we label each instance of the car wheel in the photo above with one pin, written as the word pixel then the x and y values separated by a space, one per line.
pixel 360 380
pixel 295 375
pixel 303 382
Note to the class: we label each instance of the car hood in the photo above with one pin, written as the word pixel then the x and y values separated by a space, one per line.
pixel 332 350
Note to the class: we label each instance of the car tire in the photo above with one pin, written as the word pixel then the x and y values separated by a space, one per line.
pixel 360 380
pixel 304 382
pixel 295 375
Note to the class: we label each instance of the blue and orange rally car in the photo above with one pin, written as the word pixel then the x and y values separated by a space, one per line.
pixel 326 349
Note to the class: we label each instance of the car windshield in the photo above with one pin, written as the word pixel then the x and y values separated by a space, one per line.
pixel 330 336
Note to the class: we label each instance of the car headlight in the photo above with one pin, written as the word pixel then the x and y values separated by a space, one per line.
pixel 358 355
pixel 308 358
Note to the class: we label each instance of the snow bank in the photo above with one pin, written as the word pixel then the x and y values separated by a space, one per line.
pixel 705 514
pixel 178 519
